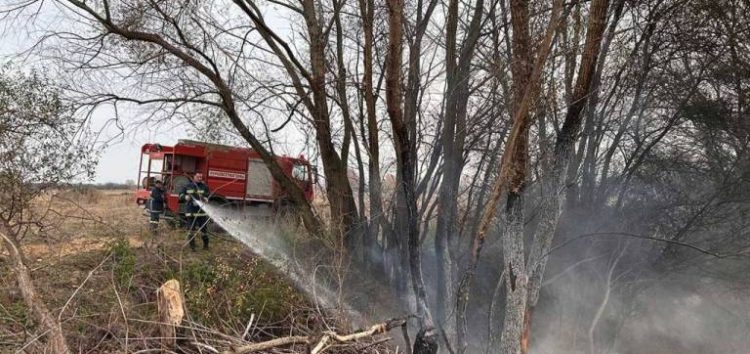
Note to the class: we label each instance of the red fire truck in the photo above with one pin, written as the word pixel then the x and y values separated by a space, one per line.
pixel 234 175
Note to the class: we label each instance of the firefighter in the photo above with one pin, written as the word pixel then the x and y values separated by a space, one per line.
pixel 156 205
pixel 197 219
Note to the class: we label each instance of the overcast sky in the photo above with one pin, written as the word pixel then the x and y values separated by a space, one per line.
pixel 119 161
pixel 119 158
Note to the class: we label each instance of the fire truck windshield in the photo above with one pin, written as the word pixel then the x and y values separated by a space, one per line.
pixel 299 172
pixel 152 169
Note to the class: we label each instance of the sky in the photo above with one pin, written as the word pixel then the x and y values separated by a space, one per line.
pixel 118 160
pixel 119 157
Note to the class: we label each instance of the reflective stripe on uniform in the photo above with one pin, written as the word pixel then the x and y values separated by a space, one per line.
pixel 153 221
pixel 190 191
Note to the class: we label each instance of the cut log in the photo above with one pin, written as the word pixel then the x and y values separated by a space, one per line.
pixel 171 312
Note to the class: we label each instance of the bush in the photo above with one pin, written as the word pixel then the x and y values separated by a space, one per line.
pixel 229 291
pixel 123 260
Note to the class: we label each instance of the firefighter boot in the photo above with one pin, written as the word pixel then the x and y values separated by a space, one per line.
pixel 191 240
pixel 153 223
pixel 205 241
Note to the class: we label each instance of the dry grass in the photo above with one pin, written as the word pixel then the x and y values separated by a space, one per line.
pixel 98 268
pixel 84 221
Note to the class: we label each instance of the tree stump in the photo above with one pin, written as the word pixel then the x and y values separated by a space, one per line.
pixel 171 311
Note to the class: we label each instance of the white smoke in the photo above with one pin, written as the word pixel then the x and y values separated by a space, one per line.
pixel 255 228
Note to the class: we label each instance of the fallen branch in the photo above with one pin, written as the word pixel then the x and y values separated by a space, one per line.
pixel 273 343
pixel 321 342
pixel 205 346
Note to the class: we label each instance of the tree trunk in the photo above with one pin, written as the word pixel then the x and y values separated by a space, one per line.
pixel 171 311
pixel 516 277
pixel 453 140
pixel 404 151
pixel 510 183
pixel 554 182
pixel 338 188
pixel 373 144
pixel 56 342
pixel 446 217
pixel 592 140
pixel 354 230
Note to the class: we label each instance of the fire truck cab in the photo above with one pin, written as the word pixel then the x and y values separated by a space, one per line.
pixel 234 175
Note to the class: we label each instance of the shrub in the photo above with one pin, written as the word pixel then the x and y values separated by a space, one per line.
pixel 123 260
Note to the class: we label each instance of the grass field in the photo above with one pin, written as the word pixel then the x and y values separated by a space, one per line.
pixel 99 268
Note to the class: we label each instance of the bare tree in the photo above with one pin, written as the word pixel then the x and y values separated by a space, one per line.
pixel 198 60
pixel 458 63
pixel 510 183
pixel 554 179
pixel 637 117
pixel 367 13
pixel 404 152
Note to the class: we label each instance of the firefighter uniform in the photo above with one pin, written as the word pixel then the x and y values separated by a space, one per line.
pixel 197 219
pixel 156 207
